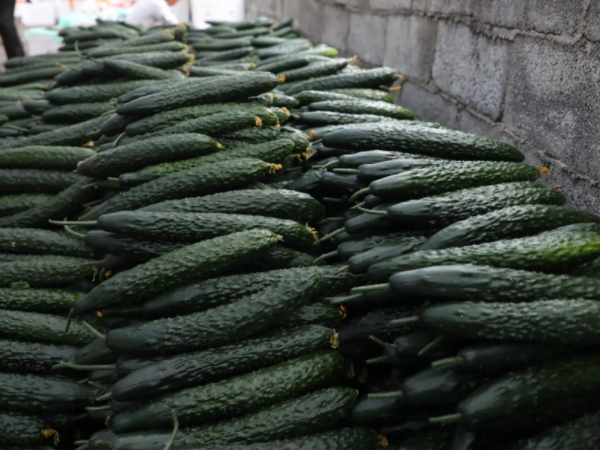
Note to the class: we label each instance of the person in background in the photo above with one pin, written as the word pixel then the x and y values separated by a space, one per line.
pixel 8 30
pixel 148 12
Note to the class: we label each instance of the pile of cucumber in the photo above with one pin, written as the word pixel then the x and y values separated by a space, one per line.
pixel 232 238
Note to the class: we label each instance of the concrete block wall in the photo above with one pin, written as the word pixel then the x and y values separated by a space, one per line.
pixel 526 72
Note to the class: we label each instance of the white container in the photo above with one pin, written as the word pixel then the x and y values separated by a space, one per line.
pixel 225 10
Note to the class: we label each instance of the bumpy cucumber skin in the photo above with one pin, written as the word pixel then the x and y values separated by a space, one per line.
pixel 313 96
pixel 138 71
pixel 76 113
pixel 393 167
pixel 426 141
pixel 368 94
pixel 360 106
pixel 46 270
pixel 316 314
pixel 221 325
pixel 361 262
pixel 207 258
pixel 21 429
pixel 126 246
pixel 567 322
pixel 42 242
pixel 507 223
pixel 32 357
pixel 140 154
pixel 45 158
pixel 103 52
pixel 96 352
pixel 372 78
pixel 202 180
pixel 32 393
pixel 355 160
pixel 95 93
pixel 184 371
pixel 280 203
pixel 555 391
pixel 348 249
pixel 115 125
pixel 30 181
pixel 12 204
pixel 194 227
pixel 254 135
pixel 316 69
pixel 552 251
pixel 274 152
pixel 37 300
pixel 326 118
pixel 450 176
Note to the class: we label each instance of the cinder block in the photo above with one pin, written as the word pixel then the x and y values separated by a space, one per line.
pixel 427 105
pixel 471 67
pixel 336 23
pixel 430 6
pixel 593 22
pixel 554 16
pixel 366 37
pixel 502 13
pixel 410 45
pixel 310 18
pixel 269 8
pixel 390 5
pixel 470 123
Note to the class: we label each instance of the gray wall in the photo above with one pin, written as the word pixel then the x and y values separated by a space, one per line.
pixel 523 71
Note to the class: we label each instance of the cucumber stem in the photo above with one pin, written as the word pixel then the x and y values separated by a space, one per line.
pixel 391 394
pixel 359 205
pixel 93 330
pixel 405 321
pixel 84 366
pixel 325 256
pixel 359 193
pixel 104 397
pixel 82 223
pixel 81 442
pixel 332 234
pixel 171 440
pixel 378 360
pixel 69 320
pixel 333 200
pixel 433 344
pixel 329 164
pixel 73 233
pixel 341 300
pixel 371 288
pixel 121 312
pixel 84 381
pixel 380 342
pixel 446 420
pixel 98 408
pixel 454 361
pixel 373 211
pixel 343 268
pixel 97 385
pixel 348 171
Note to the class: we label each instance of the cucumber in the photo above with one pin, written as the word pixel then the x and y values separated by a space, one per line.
pixel 12 204
pixel 326 118
pixel 137 71
pixel 348 249
pixel 221 325
pixel 367 94
pixel 129 364
pixel 194 227
pixel 206 72
pixel 153 150
pixel 437 142
pixel 15 112
pixel 21 61
pixel 278 64
pixel 22 429
pixel 280 203
pixel 31 357
pixel 512 222
pixel 342 184
pixel 314 70
pixel 8 79
pixel 96 93
pixel 377 411
pixel 577 434
pixel 310 413
pixel 207 258
pixel 43 328
pixel 284 101
pixel 565 322
pixel 226 55
pixel 96 352
pixel 32 181
pixel 316 314
pixel 221 44
pixel 232 397
pixel 402 245
pixel 194 369
pixel 76 113
pixel 37 300
pixel 56 207
pixel 249 32
pixel 301 142
pixel 360 106
pixel 45 271
pixel 126 246
pixel 44 128
pixel 156 38
pixel 252 135
pixel 233 88
pixel 111 50
pixel 197 181
pixel 446 209
pixel 43 157
pixel 371 78
pixel 436 439
pixel 393 167
pixel 115 125
pixel 551 251
pixel 450 176
pixel 86 35
pixel 37 107
pixel 148 88
pixel 275 152
pixel 42 242
pixel 313 96
pixel 354 161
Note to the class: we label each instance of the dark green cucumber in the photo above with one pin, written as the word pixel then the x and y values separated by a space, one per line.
pixel 315 69
pixel 12 204
pixel 454 206
pixel 577 434
pixel 96 352
pixel 232 397
pixel 194 227
pixel 393 167
pixel 42 242
pixel 194 369
pixel 342 184
pixel 108 50
pixel 568 322
pixel 145 152
pixel 377 411
pixel 213 292
pixel 207 258
pixel 197 181
pixel 371 78
pixel 149 88
pixel 398 247
pixel 205 72
pixel 325 118
pixel 23 429
pixel 248 32
pixel 254 135
pixel 32 181
pixel 37 107
pixel 277 65
pixel 301 142
pixel 275 152
pixel 512 222
pixel 537 396
pixel 280 203
pixel 15 112
pixel 46 270
pixel 167 119
pixel 96 93
pixel 37 300
pixel 436 439
pixel 86 35
pixel 450 176
pixel 43 157
pixel 226 55
pixel 350 248
pixel 552 251
pixel 221 44
pixel 360 106
pixel 77 134
pixel 115 125
pixel 76 113
pixel 127 364
pixel 221 325
pixel 44 128
pixel 127 246
pixel 211 91
pixel 129 69
pixel 56 207
pixel 316 314
pixel 354 161
pixel 368 94
pixel 7 79
pixel 280 257
pixel 284 101
pixel 313 96
pixel 32 357
pixel 437 142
